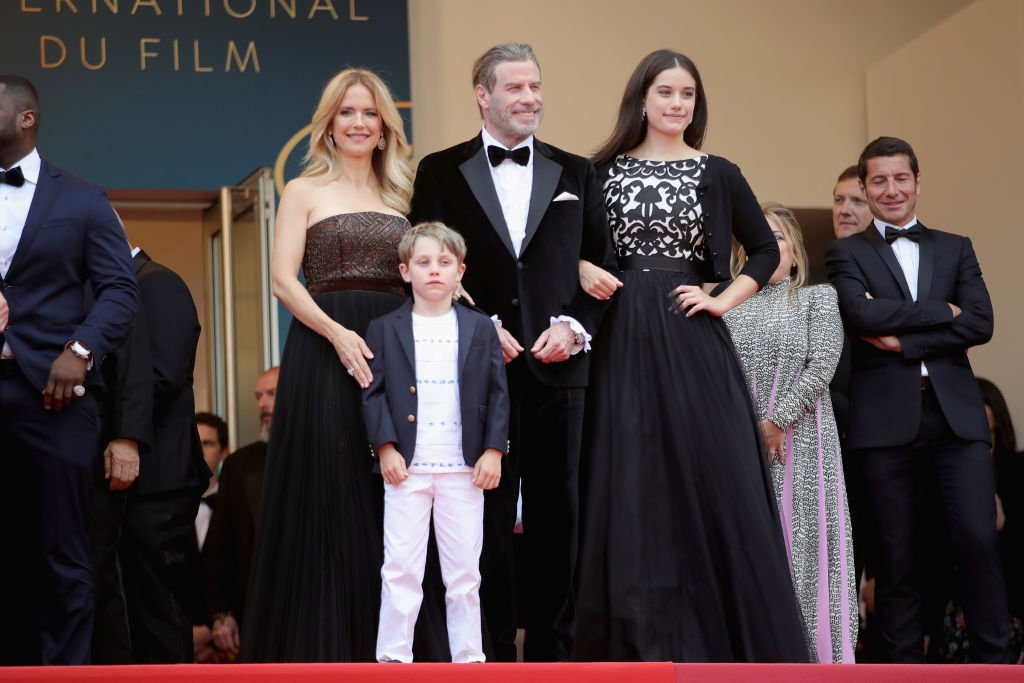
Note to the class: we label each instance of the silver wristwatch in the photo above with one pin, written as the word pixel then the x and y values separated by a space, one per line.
pixel 79 349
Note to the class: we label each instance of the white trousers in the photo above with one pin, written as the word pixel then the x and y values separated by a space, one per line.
pixel 458 527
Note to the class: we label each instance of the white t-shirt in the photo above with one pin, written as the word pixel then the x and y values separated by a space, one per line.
pixel 439 425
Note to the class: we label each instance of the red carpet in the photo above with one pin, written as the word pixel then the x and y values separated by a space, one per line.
pixel 526 673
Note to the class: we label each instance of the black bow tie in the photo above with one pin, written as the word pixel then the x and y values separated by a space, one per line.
pixel 913 234
pixel 498 154
pixel 12 176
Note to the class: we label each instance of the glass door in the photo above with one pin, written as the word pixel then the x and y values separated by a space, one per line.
pixel 238 234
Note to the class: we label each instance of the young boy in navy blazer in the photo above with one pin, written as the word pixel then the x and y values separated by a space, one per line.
pixel 437 414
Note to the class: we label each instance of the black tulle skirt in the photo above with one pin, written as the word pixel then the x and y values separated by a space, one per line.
pixel 314 592
pixel 682 555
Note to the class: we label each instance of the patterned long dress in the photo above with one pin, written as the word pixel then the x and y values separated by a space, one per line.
pixel 681 554
pixel 789 341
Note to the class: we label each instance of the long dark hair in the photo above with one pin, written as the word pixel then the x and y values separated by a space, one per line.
pixel 631 127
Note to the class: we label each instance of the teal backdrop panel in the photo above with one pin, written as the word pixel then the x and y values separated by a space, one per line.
pixel 191 94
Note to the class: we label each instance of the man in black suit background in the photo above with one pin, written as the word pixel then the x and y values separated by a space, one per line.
pixel 158 534
pixel 126 435
pixel 914 301
pixel 529 212
pixel 229 543
pixel 57 232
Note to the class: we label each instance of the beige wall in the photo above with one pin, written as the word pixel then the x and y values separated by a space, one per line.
pixel 964 114
pixel 785 78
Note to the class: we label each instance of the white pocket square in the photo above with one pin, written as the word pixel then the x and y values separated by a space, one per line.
pixel 566 197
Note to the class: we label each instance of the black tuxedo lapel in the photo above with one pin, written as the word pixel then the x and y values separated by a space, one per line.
pixel 465 336
pixel 925 263
pixel 45 195
pixel 140 260
pixel 888 256
pixel 545 179
pixel 477 172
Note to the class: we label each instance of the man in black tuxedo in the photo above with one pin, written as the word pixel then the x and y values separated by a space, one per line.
pixel 57 232
pixel 126 431
pixel 229 543
pixel 158 534
pixel 914 301
pixel 529 212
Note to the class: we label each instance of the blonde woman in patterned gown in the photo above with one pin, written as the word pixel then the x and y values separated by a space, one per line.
pixel 314 592
pixel 789 337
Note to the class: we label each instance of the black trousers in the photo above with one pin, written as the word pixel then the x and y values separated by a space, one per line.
pixel 960 475
pixel 546 433
pixel 47 457
pixel 157 545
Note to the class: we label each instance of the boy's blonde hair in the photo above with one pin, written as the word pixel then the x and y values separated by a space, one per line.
pixel 449 240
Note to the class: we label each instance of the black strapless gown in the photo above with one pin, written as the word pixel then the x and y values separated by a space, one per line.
pixel 314 592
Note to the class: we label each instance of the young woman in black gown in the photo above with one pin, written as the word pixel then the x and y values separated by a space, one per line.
pixel 314 593
pixel 682 556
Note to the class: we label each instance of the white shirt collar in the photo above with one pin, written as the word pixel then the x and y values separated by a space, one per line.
pixel 30 165
pixel 881 225
pixel 489 140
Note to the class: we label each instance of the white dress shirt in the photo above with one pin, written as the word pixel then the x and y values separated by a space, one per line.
pixel 514 185
pixel 204 514
pixel 908 253
pixel 14 205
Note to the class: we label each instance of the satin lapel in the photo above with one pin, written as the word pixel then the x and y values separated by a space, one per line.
pixel 477 172
pixel 545 179
pixel 42 202
pixel 465 336
pixel 403 328
pixel 139 260
pixel 925 264
pixel 889 257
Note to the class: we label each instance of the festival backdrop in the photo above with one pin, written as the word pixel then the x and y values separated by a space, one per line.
pixel 191 94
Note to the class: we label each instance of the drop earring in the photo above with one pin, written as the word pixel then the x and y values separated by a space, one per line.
pixel 643 114
pixel 382 143
pixel 330 136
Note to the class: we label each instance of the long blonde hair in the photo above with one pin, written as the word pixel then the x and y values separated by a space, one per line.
pixel 793 235
pixel 390 165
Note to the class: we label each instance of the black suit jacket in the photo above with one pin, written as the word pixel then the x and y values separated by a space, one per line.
pixel 232 533
pixel 455 186
pixel 175 462
pixel 885 387
pixel 391 400
pixel 71 235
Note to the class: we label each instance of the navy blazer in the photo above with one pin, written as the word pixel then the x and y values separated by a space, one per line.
pixel 390 403
pixel 454 186
pixel 885 386
pixel 71 236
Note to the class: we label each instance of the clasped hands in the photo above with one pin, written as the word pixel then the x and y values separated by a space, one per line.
pixel 890 342
pixel 554 344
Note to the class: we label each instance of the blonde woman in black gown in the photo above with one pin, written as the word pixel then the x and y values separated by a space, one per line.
pixel 314 594
pixel 682 557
